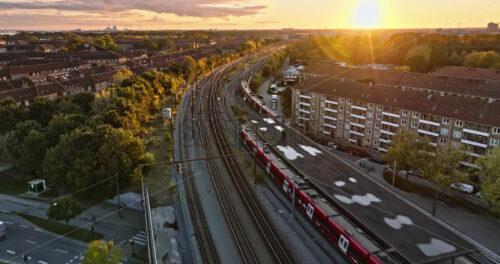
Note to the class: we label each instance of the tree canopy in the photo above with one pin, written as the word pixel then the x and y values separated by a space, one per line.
pixel 100 252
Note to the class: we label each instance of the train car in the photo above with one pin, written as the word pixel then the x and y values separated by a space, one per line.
pixel 311 204
pixel 256 103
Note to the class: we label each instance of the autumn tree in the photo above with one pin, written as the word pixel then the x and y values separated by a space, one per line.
pixel 100 252
pixel 122 75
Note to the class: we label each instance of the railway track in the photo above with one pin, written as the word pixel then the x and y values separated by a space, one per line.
pixel 205 241
pixel 210 108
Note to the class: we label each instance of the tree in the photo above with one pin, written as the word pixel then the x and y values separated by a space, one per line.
pixel 122 75
pixel 267 71
pixel 105 42
pixel 63 209
pixel 489 173
pixel 189 67
pixel 100 252
pixel 443 168
pixel 418 63
pixel 10 114
pixel 41 110
pixel 407 149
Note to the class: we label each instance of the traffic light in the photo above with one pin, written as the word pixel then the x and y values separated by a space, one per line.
pixel 179 168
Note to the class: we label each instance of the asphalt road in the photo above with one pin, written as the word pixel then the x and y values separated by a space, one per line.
pixel 412 233
pixel 43 247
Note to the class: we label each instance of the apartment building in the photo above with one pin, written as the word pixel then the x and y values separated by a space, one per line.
pixel 369 115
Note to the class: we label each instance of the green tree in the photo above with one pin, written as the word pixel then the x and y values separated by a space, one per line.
pixel 267 71
pixel 105 42
pixel 489 173
pixel 443 168
pixel 418 63
pixel 189 67
pixel 408 150
pixel 100 252
pixel 41 110
pixel 10 114
pixel 63 209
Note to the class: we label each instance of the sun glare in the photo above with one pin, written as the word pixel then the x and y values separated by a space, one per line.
pixel 366 14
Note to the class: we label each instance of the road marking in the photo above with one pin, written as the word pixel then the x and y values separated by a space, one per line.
pixel 139 239
pixel 142 232
pixel 25 226
pixel 11 252
pixel 139 242
pixel 31 242
pixel 8 222
pixel 71 260
pixel 62 251
pixel 42 262
pixel 38 229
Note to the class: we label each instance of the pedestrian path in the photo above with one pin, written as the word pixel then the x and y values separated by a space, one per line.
pixel 139 238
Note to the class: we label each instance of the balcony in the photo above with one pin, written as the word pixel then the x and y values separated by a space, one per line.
pixel 429 122
pixel 473 143
pixel 331 102
pixel 358 107
pixel 429 133
pixel 331 110
pixel 387 141
pixel 390 124
pixel 303 103
pixel 330 125
pixel 356 133
pixel 326 132
pixel 382 149
pixel 391 114
pixel 305 96
pixel 358 116
pixel 358 125
pixel 330 118
pixel 304 111
pixel 353 140
pixel 475 132
pixel 387 132
pixel 304 118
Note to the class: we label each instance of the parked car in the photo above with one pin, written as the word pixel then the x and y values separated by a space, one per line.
pixel 415 173
pixel 332 145
pixel 3 230
pixel 479 195
pixel 377 160
pixel 463 187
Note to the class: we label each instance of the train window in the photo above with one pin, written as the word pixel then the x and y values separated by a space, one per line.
pixel 310 210
pixel 268 167
pixel 285 185
pixel 343 243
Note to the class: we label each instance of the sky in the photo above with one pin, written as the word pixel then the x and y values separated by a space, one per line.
pixel 245 14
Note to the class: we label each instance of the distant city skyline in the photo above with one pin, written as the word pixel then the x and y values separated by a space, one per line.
pixel 245 14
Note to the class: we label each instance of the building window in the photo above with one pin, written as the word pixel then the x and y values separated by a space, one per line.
pixel 404 122
pixel 405 113
pixel 414 124
pixel 323 96
pixel 341 116
pixel 458 123
pixel 377 134
pixel 379 107
pixel 457 134
pixel 378 117
pixel 367 140
pixel 341 108
pixel 369 123
pixel 442 141
pixel 369 131
pixel 347 126
pixel 341 100
pixel 375 142
pixel 370 106
pixel 496 130
pixel 455 144
pixel 446 120
pixel 377 125
pixel 348 109
pixel 349 101
pixel 415 115
pixel 444 131
pixel 494 142
pixel 369 114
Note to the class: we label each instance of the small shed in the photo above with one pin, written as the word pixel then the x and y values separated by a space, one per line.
pixel 37 185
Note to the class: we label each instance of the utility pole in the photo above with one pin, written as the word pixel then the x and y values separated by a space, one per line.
pixel 293 196
pixel 117 190
pixel 394 176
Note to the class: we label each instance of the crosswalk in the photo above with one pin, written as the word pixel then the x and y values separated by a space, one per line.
pixel 140 238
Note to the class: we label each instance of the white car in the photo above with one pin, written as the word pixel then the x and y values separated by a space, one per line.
pixel 466 188
pixel 3 230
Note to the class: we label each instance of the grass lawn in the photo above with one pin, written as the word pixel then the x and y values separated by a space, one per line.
pixel 13 186
pixel 63 229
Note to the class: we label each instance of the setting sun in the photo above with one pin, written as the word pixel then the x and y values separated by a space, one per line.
pixel 366 14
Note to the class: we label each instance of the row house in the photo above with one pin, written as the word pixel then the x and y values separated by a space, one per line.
pixel 43 73
pixel 369 115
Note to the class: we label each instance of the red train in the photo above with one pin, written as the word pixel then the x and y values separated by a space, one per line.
pixel 256 103
pixel 315 209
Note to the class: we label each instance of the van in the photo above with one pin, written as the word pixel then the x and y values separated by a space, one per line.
pixel 3 230
pixel 466 188
pixel 275 98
